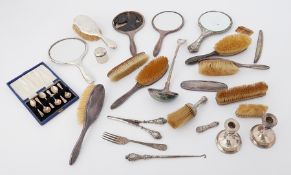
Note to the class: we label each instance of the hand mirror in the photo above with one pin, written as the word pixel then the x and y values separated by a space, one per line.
pixel 210 23
pixel 166 22
pixel 129 23
pixel 70 51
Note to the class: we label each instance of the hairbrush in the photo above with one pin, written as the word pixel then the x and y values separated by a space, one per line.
pixel 184 114
pixel 90 106
pixel 220 67
pixel 87 28
pixel 229 45
pixel 151 73
pixel 244 30
pixel 128 66
pixel 240 93
pixel 251 110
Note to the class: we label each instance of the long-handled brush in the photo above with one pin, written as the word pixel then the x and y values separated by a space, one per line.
pixel 90 106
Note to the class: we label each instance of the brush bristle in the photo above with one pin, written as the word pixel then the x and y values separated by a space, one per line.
pixel 217 67
pixel 181 116
pixel 84 35
pixel 153 71
pixel 128 66
pixel 240 93
pixel 233 44
pixel 251 110
pixel 83 103
pixel 244 30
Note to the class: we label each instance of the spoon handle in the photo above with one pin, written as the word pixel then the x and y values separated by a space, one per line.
pixel 179 43
pixel 123 98
pixel 77 147
pixel 197 59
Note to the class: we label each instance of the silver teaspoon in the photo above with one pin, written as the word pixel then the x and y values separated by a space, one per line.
pixel 56 101
pixel 67 94
pixel 32 103
pixel 43 96
pixel 55 90
pixel 45 109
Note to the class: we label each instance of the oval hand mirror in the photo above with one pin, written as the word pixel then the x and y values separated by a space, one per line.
pixel 166 22
pixel 129 23
pixel 210 23
pixel 70 51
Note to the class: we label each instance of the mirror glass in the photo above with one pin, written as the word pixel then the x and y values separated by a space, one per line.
pixel 215 21
pixel 128 21
pixel 67 50
pixel 167 21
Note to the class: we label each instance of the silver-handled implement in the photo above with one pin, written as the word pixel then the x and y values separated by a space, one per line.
pixel 135 157
pixel 154 134
pixel 203 128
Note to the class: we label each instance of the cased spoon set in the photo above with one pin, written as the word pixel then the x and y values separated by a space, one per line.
pixel 45 95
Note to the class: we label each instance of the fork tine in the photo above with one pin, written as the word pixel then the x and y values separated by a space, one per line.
pixel 111 135
pixel 110 140
pixel 106 135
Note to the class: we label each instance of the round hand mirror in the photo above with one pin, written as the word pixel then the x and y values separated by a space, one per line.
pixel 166 22
pixel 129 23
pixel 210 23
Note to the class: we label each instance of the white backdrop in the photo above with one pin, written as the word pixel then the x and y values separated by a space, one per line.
pixel 29 27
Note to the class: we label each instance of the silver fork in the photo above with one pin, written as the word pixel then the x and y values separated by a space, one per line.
pixel 123 140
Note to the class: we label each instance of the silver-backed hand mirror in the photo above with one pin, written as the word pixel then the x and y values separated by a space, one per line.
pixel 166 22
pixel 70 51
pixel 210 23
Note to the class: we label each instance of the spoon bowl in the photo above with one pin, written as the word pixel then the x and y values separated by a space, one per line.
pixel 162 95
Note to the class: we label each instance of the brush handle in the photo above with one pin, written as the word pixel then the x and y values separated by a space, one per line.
pixel 197 59
pixel 254 66
pixel 123 98
pixel 202 100
pixel 110 43
pixel 77 147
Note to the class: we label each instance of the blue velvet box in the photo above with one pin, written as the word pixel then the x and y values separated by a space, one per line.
pixel 40 79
